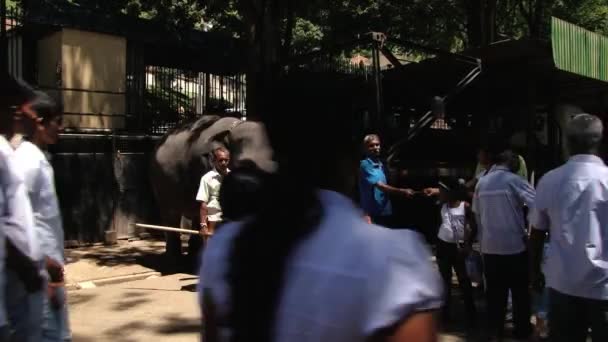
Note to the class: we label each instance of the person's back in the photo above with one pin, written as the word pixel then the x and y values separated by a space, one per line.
pixel 346 282
pixel 305 266
pixel 499 200
pixel 575 199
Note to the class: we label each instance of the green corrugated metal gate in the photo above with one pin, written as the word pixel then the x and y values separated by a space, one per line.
pixel 579 51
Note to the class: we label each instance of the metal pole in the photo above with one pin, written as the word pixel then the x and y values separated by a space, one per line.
pixel 377 87
pixel 3 37
pixel 167 229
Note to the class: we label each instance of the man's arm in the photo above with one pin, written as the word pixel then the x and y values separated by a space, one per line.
pixel 203 213
pixel 203 197
pixel 524 192
pixel 393 190
pixel 367 173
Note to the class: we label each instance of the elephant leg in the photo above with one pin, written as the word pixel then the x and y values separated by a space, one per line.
pixel 173 242
pixel 195 244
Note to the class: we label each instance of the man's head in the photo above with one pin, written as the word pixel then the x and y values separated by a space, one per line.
pixel 584 134
pixel 14 94
pixel 221 159
pixel 45 119
pixel 371 144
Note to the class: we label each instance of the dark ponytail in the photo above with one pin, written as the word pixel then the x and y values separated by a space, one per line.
pixel 309 138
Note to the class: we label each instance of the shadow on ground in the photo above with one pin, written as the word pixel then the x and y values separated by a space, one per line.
pixel 149 254
pixel 170 326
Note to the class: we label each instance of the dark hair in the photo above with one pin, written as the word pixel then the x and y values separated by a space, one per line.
pixel 241 191
pixel 454 188
pixel 46 107
pixel 13 94
pixel 310 132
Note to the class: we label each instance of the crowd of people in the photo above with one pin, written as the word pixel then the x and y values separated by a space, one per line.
pixel 291 257
pixel 311 264
pixel 32 297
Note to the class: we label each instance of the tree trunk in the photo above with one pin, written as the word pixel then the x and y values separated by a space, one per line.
pixel 536 28
pixel 481 22
pixel 474 26
pixel 489 22
pixel 263 18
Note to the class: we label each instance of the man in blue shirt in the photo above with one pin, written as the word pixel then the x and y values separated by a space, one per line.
pixel 374 190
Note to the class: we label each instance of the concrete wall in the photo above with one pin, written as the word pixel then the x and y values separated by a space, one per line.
pixel 92 67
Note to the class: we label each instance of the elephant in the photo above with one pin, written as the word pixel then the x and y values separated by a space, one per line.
pixel 182 157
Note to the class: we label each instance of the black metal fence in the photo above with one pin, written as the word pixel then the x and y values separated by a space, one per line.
pixel 11 41
pixel 170 96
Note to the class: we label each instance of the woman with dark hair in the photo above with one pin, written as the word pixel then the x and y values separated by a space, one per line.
pixel 241 191
pixel 42 129
pixel 306 266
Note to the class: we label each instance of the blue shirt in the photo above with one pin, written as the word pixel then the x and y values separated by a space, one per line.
pixel 345 282
pixel 499 203
pixel 373 201
pixel 572 204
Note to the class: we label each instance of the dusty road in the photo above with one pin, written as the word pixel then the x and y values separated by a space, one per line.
pixel 160 309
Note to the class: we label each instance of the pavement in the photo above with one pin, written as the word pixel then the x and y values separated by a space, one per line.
pixel 156 309
pixel 128 293
pixel 126 261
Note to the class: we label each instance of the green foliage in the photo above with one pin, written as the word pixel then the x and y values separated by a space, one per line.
pixel 439 23
pixel 590 14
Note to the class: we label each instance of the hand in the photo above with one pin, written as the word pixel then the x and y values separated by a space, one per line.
pixel 429 192
pixel 407 192
pixel 204 232
pixel 55 270
pixel 367 219
pixel 56 301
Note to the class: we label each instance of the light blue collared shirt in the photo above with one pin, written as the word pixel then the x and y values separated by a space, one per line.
pixel 345 282
pixel 39 179
pixel 572 204
pixel 500 197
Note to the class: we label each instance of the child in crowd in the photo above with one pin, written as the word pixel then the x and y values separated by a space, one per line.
pixel 454 244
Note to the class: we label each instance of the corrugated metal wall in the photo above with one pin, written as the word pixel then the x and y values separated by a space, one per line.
pixel 579 51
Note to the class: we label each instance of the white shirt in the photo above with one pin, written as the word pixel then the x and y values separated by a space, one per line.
pixel 572 204
pixel 209 192
pixel 16 219
pixel 453 222
pixel 345 282
pixel 500 197
pixel 40 182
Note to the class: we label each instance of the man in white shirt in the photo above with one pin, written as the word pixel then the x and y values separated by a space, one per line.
pixel 572 206
pixel 21 309
pixel 499 201
pixel 209 192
